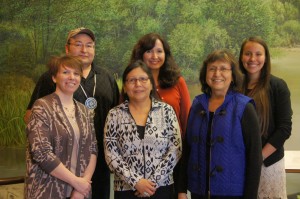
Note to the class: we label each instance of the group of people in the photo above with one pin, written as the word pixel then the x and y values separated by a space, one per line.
pixel 227 144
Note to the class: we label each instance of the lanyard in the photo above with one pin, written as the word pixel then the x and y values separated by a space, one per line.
pixel 94 88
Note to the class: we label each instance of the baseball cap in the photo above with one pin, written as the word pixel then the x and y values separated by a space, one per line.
pixel 81 30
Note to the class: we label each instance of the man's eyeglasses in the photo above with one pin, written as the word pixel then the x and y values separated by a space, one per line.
pixel 134 80
pixel 215 69
pixel 80 45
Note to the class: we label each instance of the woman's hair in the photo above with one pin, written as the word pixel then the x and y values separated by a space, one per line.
pixel 169 71
pixel 260 93
pixel 65 60
pixel 143 66
pixel 225 56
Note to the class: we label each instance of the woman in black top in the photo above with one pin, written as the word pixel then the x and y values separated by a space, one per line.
pixel 272 99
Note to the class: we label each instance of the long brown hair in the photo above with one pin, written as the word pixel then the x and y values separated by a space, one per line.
pixel 169 73
pixel 260 93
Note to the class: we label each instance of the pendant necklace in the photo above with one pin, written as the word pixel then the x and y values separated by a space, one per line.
pixel 70 112
pixel 90 102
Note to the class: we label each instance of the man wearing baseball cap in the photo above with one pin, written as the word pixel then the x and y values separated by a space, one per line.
pixel 98 91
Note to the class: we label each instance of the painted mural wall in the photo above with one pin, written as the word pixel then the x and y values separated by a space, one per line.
pixel 31 31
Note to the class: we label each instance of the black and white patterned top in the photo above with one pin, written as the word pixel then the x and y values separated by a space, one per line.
pixel 132 158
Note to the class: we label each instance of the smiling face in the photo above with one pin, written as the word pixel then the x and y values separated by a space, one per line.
pixel 138 85
pixel 253 58
pixel 155 57
pixel 219 77
pixel 67 80
pixel 83 47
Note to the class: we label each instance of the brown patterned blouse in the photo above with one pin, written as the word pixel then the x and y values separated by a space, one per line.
pixel 50 142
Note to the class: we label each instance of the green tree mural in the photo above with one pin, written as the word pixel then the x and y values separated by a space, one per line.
pixel 31 31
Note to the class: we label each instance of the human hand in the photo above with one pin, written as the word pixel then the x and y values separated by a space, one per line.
pixel 145 188
pixel 82 185
pixel 182 196
pixel 76 195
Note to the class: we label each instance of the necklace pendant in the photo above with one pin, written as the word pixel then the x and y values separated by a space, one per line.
pixel 91 103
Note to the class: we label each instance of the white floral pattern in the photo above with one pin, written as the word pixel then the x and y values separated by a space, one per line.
pixel 273 181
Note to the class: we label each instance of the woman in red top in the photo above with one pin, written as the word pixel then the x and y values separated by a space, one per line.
pixel 170 85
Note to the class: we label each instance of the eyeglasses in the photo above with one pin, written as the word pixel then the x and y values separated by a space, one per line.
pixel 80 45
pixel 215 69
pixel 134 80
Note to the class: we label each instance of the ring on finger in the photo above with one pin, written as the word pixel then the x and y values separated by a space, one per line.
pixel 146 194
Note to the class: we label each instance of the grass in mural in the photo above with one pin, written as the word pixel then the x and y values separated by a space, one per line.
pixel 120 83
pixel 15 95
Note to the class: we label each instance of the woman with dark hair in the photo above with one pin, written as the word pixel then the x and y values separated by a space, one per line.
pixel 169 84
pixel 272 98
pixel 142 139
pixel 222 150
pixel 62 146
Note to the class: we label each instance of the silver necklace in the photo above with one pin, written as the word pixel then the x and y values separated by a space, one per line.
pixel 70 112
pixel 90 102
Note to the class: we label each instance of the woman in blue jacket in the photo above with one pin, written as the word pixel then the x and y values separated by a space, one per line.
pixel 222 152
